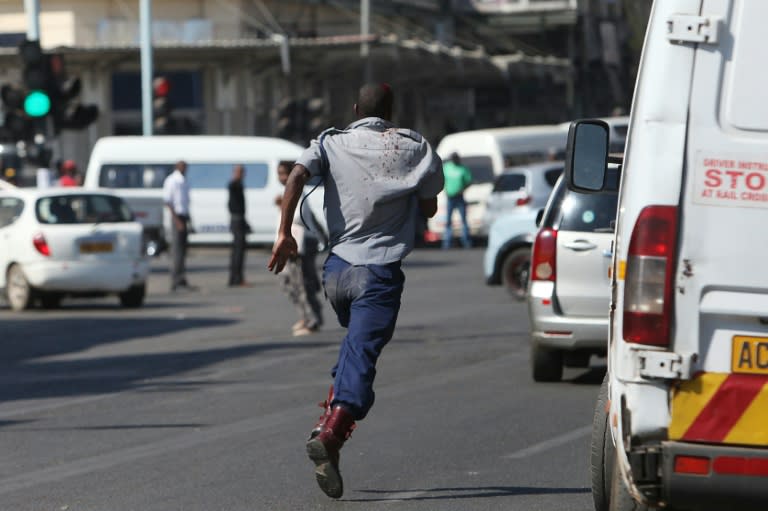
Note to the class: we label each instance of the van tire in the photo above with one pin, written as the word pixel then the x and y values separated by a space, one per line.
pixel 515 272
pixel 546 364
pixel 134 296
pixel 620 498
pixel 602 454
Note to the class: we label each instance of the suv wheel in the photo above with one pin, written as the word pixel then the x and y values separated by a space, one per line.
pixel 515 269
pixel 546 363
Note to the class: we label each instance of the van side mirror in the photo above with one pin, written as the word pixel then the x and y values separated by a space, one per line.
pixel 539 217
pixel 586 158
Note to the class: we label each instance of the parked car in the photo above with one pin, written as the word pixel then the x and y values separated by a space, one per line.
pixel 507 257
pixel 569 291
pixel 521 188
pixel 58 242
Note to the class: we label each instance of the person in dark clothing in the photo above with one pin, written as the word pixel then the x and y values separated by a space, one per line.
pixel 238 226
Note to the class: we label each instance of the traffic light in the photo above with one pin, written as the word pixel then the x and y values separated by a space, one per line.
pixel 67 110
pixel 15 125
pixel 316 119
pixel 36 76
pixel 288 123
pixel 161 106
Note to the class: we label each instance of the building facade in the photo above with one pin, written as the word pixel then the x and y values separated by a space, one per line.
pixel 454 64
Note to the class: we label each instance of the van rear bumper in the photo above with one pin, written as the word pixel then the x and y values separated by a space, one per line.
pixel 720 488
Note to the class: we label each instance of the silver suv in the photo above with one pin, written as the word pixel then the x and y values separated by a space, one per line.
pixel 569 292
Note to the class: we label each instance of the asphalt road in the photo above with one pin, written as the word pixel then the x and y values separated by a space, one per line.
pixel 202 401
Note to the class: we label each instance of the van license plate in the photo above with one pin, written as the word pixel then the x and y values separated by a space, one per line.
pixel 749 355
pixel 96 247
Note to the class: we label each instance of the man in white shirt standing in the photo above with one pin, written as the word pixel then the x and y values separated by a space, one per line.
pixel 176 198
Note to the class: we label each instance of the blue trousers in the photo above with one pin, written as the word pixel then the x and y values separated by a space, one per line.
pixel 366 299
pixel 456 203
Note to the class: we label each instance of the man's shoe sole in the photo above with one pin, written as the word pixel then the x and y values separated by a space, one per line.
pixel 327 474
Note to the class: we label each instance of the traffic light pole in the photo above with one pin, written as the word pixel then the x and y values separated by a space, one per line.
pixel 32 8
pixel 145 16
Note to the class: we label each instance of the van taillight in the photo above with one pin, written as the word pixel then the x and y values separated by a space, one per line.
pixel 544 253
pixel 649 277
pixel 522 201
pixel 41 245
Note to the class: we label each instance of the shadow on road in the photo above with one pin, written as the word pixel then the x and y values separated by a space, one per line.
pixel 35 362
pixel 476 492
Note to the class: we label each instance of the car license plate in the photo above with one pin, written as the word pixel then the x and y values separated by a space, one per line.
pixel 749 355
pixel 95 247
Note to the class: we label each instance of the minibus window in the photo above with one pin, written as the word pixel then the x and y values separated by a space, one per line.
pixel 218 175
pixel 481 168
pixel 132 175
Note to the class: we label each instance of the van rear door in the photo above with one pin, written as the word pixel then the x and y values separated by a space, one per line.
pixel 721 288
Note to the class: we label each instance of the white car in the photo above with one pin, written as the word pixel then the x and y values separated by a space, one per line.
pixel 59 242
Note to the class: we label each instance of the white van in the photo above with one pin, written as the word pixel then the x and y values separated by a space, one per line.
pixel 135 167
pixel 682 417
pixel 487 153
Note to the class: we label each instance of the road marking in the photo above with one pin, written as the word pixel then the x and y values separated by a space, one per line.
pixel 551 443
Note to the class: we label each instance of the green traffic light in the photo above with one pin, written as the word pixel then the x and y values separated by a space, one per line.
pixel 37 104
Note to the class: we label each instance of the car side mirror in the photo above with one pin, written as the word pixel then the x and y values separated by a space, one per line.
pixel 539 217
pixel 586 159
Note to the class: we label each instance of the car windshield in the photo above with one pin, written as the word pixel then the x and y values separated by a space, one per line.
pixel 82 209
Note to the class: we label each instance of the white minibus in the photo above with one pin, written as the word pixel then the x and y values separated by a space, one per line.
pixel 134 167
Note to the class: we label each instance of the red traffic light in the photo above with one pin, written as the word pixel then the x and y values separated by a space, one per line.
pixel 161 86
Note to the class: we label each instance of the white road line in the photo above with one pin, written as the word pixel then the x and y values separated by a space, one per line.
pixel 550 443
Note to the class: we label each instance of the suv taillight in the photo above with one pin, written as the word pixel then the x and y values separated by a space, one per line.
pixel 41 245
pixel 544 253
pixel 649 275
pixel 522 201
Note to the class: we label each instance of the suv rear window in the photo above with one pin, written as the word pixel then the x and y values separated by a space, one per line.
pixel 509 183
pixel 82 209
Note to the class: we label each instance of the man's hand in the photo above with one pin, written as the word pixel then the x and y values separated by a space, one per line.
pixel 285 248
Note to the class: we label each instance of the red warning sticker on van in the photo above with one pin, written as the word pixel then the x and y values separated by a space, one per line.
pixel 737 181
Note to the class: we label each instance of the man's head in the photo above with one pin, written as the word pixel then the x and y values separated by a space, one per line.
pixel 283 171
pixel 238 172
pixel 455 158
pixel 181 166
pixel 375 100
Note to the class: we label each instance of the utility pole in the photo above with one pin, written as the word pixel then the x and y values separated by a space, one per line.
pixel 145 29
pixel 32 8
pixel 365 31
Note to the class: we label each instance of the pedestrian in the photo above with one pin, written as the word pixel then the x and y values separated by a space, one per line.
pixel 176 198
pixel 300 280
pixel 68 173
pixel 457 179
pixel 376 177
pixel 238 225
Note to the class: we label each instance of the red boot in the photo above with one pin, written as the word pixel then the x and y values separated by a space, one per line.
pixel 323 450
pixel 326 406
